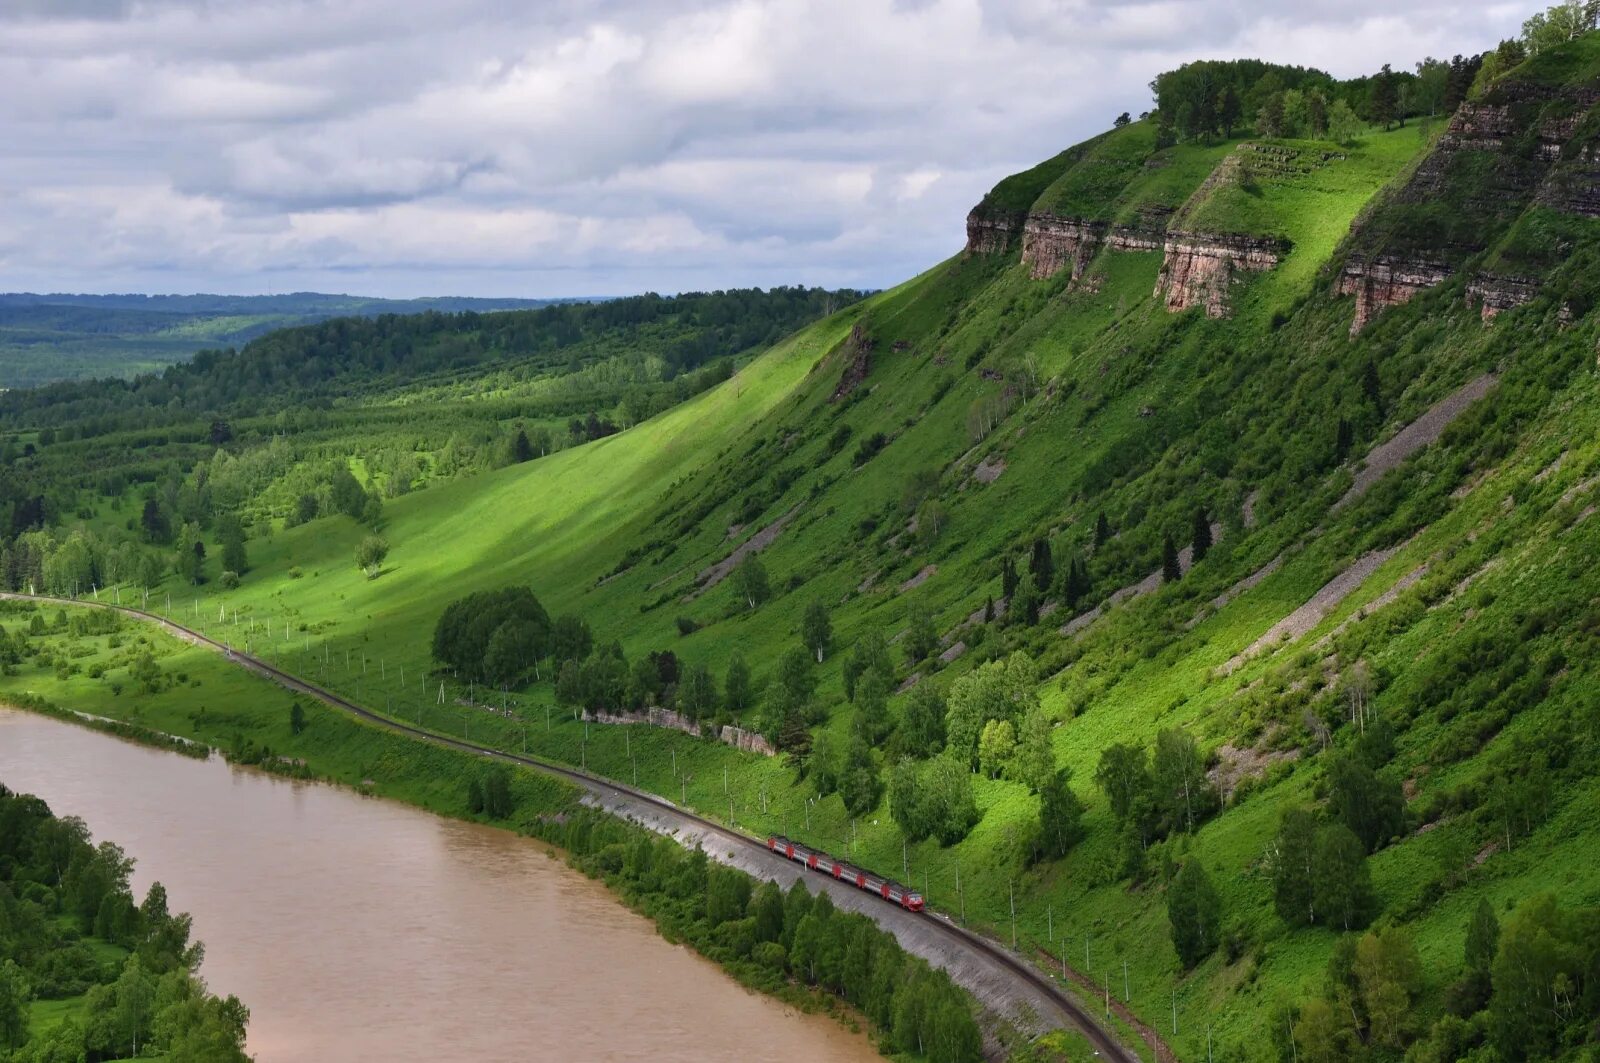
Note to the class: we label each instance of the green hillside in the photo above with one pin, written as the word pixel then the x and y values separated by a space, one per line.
pixel 1393 627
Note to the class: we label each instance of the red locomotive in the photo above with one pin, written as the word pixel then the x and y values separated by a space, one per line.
pixel 888 889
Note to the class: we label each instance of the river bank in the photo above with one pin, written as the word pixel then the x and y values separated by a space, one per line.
pixel 334 744
pixel 365 929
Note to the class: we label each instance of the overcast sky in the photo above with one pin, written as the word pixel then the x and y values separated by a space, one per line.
pixel 572 147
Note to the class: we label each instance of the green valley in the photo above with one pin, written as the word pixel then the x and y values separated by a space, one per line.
pixel 1189 582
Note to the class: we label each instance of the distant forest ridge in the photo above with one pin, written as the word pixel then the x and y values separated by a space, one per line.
pixel 288 303
pixel 73 336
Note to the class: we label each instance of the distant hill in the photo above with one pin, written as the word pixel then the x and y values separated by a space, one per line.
pixel 67 336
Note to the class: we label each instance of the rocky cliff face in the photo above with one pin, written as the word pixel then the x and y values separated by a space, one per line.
pixel 1492 293
pixel 993 234
pixel 1574 187
pixel 1386 281
pixel 1199 269
pixel 1498 157
pixel 857 362
pixel 1051 243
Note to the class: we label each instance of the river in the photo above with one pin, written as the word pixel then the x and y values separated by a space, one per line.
pixel 362 929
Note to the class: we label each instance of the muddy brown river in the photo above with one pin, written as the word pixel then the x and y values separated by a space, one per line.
pixel 358 929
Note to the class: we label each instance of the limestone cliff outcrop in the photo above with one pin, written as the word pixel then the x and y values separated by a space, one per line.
pixel 1493 293
pixel 1199 268
pixel 1051 243
pixel 1458 203
pixel 993 233
pixel 1386 281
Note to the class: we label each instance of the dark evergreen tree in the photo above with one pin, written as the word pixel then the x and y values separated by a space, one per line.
pixel 1229 110
pixel 1171 570
pixel 1008 578
pixel 345 492
pixel 521 447
pixel 1201 535
pixel 1371 388
pixel 1102 530
pixel 1344 438
pixel 1383 105
pixel 1042 566
pixel 155 523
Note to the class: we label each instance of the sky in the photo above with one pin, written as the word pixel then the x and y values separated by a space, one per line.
pixel 546 148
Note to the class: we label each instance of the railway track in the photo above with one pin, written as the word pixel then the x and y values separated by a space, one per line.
pixel 1107 1046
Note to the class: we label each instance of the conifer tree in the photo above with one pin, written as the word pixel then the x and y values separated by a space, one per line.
pixel 1171 571
pixel 1042 565
pixel 1383 106
pixel 1202 534
pixel 1102 530
pixel 1008 578
pixel 521 447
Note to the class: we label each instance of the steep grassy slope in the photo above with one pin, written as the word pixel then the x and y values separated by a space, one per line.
pixel 1026 401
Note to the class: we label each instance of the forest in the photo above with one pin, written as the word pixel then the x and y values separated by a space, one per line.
pixel 71 932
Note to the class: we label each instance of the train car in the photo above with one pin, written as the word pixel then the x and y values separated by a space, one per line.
pixel 861 879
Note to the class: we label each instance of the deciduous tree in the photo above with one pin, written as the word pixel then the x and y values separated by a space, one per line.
pixel 816 631
pixel 1194 911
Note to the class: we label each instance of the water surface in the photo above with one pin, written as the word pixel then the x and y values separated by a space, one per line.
pixel 361 929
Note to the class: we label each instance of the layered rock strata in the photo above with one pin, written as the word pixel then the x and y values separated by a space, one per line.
pixel 993 234
pixel 1493 294
pixel 1386 281
pixel 1528 168
pixel 1199 269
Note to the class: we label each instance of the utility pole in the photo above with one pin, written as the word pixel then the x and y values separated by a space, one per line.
pixel 1050 922
pixel 961 897
pixel 1011 887
pixel 905 866
pixel 1125 998
pixel 1174 1010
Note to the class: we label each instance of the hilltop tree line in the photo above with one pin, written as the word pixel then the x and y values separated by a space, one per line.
pixel 70 926
pixel 1208 98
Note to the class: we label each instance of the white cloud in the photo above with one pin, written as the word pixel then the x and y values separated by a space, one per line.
pixel 581 146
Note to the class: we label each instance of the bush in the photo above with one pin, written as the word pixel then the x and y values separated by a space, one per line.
pixel 229 581
pixel 868 448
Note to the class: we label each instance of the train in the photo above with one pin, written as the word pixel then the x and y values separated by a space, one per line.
pixel 888 889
